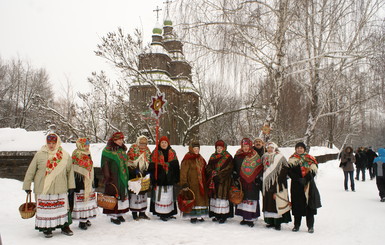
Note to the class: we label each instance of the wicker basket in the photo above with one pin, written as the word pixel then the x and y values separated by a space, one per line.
pixel 28 209
pixel 145 183
pixel 108 202
pixel 186 200
pixel 236 194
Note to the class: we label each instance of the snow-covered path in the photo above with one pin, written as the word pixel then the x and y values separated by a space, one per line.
pixel 345 218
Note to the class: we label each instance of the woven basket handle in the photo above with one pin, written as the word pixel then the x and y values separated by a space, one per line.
pixel 116 189
pixel 188 189
pixel 29 197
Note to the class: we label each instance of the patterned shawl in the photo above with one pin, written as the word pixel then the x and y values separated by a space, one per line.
pixel 171 157
pixel 56 163
pixel 139 157
pixel 251 167
pixel 119 157
pixel 83 165
pixel 272 163
pixel 305 161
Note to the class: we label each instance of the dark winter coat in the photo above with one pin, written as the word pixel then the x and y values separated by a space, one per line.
pixel 221 178
pixel 169 177
pixel 347 159
pixel 361 159
pixel 371 156
pixel 301 206
pixel 192 175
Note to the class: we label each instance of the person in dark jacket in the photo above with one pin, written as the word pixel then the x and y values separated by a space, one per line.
pixel 305 197
pixel 379 171
pixel 219 170
pixel 116 175
pixel 347 160
pixel 371 155
pixel 248 170
pixel 165 173
pixel 361 163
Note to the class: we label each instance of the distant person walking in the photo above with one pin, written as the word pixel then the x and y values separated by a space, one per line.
pixel 371 156
pixel 379 172
pixel 361 163
pixel 347 160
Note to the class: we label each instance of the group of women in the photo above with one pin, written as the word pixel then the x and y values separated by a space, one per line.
pixel 61 182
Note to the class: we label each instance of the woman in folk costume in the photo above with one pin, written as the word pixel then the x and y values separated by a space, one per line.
pixel 276 205
pixel 248 169
pixel 193 176
pixel 305 197
pixel 52 173
pixel 219 173
pixel 84 207
pixel 164 177
pixel 115 172
pixel 139 156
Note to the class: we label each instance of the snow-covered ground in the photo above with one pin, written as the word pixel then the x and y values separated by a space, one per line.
pixel 345 218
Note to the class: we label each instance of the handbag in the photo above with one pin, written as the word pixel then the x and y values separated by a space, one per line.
pixel 236 194
pixel 28 209
pixel 106 201
pixel 343 164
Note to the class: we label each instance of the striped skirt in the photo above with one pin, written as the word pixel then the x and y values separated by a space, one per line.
pixel 51 211
pixel 84 209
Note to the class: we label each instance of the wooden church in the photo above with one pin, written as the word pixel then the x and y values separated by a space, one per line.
pixel 164 68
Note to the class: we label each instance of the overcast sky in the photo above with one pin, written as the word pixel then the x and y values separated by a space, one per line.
pixel 61 35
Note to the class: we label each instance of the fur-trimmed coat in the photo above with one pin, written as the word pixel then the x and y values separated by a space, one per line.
pixel 219 177
pixel 193 176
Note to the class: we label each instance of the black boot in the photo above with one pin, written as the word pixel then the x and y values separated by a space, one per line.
pixel 295 229
pixel 193 221
pixel 121 219
pixel 88 223
pixel 47 233
pixel 83 225
pixel 115 221
pixel 135 216
pixel 66 231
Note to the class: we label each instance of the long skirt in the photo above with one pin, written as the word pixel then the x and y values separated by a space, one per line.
pixel 197 212
pixel 52 211
pixel 138 203
pixel 84 209
pixel 163 202
pixel 220 208
pixel 248 209
pixel 276 219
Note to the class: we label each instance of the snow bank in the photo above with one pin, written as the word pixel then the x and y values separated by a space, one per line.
pixel 16 139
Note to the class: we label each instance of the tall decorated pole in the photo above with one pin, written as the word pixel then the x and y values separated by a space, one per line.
pixel 157 107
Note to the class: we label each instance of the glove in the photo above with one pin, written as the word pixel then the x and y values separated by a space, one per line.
pixel 28 191
pixel 302 181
